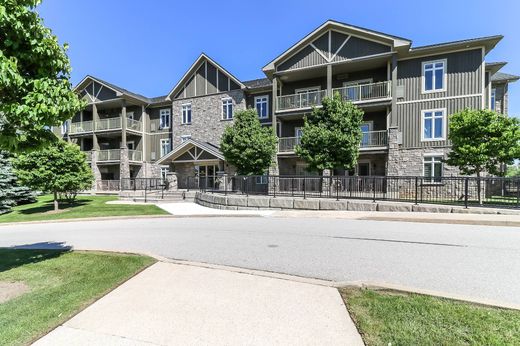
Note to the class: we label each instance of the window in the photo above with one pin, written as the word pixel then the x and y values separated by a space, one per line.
pixel 164 172
pixel 434 75
pixel 366 127
pixel 165 146
pixel 298 132
pixel 186 113
pixel 65 127
pixel 262 106
pixel 184 138
pixel 433 169
pixel 493 99
pixel 130 145
pixel 433 125
pixel 164 119
pixel 227 109
pixel 261 179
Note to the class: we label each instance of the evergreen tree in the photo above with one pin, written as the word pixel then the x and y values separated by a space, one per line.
pixel 11 193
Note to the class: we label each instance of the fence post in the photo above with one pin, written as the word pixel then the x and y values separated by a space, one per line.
pixel 225 185
pixel 374 188
pixel 466 192
pixel 337 188
pixel 416 190
pixel 517 192
pixel 245 186
pixel 145 194
pixel 303 187
pixel 274 186
pixel 292 186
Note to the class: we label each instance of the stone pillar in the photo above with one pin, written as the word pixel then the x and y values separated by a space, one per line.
pixel 326 182
pixel 394 158
pixel 171 178
pixel 329 80
pixel 124 165
pixel 95 169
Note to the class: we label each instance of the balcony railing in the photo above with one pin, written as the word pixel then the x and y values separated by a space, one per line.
pixel 81 127
pixel 370 139
pixel 132 124
pixel 301 100
pixel 365 92
pixel 89 155
pixel 287 144
pixel 109 155
pixel 135 155
pixel 108 124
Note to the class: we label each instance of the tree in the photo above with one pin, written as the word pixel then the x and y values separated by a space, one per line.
pixel 11 193
pixel 331 135
pixel 247 145
pixel 513 171
pixel 483 141
pixel 60 168
pixel 35 92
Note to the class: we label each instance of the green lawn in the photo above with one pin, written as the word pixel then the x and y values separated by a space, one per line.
pixel 61 283
pixel 385 317
pixel 85 206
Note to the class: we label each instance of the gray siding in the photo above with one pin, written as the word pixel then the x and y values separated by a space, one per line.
pixel 357 47
pixel 409 118
pixel 464 75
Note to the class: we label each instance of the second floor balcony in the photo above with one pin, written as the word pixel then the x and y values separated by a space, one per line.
pixel 369 140
pixel 356 94
pixel 105 124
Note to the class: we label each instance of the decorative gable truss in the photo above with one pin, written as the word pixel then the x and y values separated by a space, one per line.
pixel 95 92
pixel 204 77
pixel 333 46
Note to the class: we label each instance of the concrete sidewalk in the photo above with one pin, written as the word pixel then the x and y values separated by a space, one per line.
pixel 171 304
pixel 194 209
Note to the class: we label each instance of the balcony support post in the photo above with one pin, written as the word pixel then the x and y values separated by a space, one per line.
pixel 393 87
pixel 329 80
pixel 123 125
pixel 144 125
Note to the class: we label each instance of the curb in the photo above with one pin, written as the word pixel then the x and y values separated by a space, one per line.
pixel 503 223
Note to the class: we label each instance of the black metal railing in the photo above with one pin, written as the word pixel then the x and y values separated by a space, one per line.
pixel 147 184
pixel 464 191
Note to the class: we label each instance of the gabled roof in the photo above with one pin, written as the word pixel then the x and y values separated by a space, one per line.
pixel 395 41
pixel 488 42
pixel 186 145
pixel 504 77
pixel 258 83
pixel 119 91
pixel 494 67
pixel 193 68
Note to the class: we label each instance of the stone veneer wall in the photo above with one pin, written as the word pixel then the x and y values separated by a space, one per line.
pixel 149 170
pixel 206 116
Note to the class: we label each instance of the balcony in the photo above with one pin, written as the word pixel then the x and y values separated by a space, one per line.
pixel 133 125
pixel 369 140
pixel 356 94
pixel 81 127
pixel 108 124
pixel 109 155
pixel 135 155
pixel 301 100
pixel 89 155
pixel 365 92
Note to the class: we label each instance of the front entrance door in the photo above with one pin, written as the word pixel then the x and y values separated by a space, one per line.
pixel 364 169
pixel 207 176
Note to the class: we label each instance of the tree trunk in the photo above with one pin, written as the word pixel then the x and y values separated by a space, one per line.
pixel 56 205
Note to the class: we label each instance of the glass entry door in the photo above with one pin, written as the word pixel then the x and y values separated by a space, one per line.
pixel 207 176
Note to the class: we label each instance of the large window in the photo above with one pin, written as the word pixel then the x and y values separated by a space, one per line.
pixel 262 106
pixel 227 109
pixel 164 118
pixel 186 113
pixel 165 146
pixel 493 99
pixel 434 76
pixel 433 169
pixel 433 125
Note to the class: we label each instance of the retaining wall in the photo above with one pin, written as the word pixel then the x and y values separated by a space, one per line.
pixel 240 202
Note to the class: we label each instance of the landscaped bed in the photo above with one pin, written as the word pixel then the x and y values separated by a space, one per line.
pixel 386 317
pixel 44 288
pixel 84 207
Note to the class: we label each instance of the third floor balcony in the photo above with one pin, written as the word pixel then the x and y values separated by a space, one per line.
pixel 357 94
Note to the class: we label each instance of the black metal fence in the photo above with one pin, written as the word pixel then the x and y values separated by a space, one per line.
pixel 465 191
pixel 145 184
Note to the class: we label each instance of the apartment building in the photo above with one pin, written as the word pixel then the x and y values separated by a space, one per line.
pixel 406 92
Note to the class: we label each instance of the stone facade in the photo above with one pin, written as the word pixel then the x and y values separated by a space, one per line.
pixel 124 165
pixel 206 116
pixel 149 170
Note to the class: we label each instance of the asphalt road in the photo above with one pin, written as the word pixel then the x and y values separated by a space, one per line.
pixel 479 262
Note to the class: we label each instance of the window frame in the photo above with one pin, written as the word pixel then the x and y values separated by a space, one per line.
pixel 261 97
pixel 183 106
pixel 432 156
pixel 184 138
pixel 444 124
pixel 225 113
pixel 162 141
pixel 65 127
pixel 168 118
pixel 444 75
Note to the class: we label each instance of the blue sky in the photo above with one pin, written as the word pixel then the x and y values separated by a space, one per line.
pixel 146 46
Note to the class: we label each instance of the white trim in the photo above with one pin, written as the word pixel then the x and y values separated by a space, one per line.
pixel 169 118
pixel 182 113
pixel 296 129
pixel 340 48
pixel 229 102
pixel 483 67
pixel 267 113
pixel 493 96
pixel 438 98
pixel 319 52
pixel 432 178
pixel 444 124
pixel 306 89
pixel 440 53
pixel 161 147
pixel 357 82
pixel 444 76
